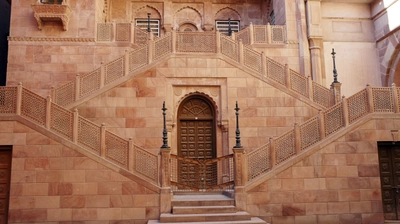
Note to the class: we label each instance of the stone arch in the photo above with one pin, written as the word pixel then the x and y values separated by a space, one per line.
pixel 187 27
pixel 188 15
pixel 141 13
pixel 227 12
pixel 394 67
pixel 388 49
pixel 197 93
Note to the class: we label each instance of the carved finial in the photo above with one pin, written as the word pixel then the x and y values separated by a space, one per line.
pixel 238 144
pixel 334 66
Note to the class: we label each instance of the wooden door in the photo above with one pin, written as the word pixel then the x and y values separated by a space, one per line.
pixel 389 166
pixel 5 172
pixel 196 141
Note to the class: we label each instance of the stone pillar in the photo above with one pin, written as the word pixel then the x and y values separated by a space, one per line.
pixel 315 34
pixel 208 16
pixel 336 92
pixel 165 194
pixel 240 164
pixel 316 63
pixel 168 17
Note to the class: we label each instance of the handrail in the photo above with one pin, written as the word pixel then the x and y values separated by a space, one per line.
pixel 116 71
pixel 280 149
pixel 79 131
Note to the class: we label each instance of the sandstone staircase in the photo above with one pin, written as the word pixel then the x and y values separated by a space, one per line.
pixel 205 208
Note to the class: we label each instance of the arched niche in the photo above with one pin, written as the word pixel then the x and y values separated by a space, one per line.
pixel 187 15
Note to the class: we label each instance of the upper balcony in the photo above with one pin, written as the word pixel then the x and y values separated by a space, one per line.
pixel 52 11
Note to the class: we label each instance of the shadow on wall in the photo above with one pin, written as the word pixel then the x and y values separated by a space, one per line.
pixel 5 10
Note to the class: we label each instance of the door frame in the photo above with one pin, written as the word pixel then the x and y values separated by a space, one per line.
pixel 389 193
pixel 212 118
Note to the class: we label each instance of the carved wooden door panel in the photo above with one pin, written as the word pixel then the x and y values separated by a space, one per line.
pixel 5 171
pixel 389 166
pixel 196 141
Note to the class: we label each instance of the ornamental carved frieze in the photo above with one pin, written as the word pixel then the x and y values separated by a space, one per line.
pixel 48 12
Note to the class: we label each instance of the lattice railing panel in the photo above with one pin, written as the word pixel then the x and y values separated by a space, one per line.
pixel 321 95
pixel 8 100
pixel 89 135
pixel 123 32
pixel 382 99
pixel 89 82
pixel 162 46
pixel 65 94
pixel 196 42
pixel 285 147
pixel 397 90
pixel 259 161
pixel 138 58
pixel 104 31
pixel 173 167
pixel 229 48
pixel 276 71
pixel 141 36
pixel 252 59
pixel 278 34
pixel 358 105
pixel 260 34
pixel 310 132
pixel 61 121
pixel 117 149
pixel 114 70
pixel 334 119
pixel 146 163
pixel 244 35
pixel 33 107
pixel 299 83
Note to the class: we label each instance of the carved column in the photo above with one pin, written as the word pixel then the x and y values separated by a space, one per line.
pixel 168 17
pixel 316 63
pixel 314 32
pixel 208 16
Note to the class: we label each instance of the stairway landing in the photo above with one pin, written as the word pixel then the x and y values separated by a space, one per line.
pixel 205 209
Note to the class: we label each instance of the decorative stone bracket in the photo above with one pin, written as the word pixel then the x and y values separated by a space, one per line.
pixel 51 12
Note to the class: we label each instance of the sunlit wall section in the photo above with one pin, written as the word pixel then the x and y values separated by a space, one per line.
pixel 386 17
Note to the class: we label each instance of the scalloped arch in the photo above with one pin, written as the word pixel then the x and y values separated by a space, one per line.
pixel 206 96
pixel 230 10
pixel 148 6
pixel 196 19
pixel 188 7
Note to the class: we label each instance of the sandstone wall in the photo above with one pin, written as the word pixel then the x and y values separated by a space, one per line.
pixel 349 29
pixel 338 183
pixel 133 109
pixel 52 183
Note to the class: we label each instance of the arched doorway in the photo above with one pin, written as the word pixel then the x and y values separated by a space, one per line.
pixel 196 141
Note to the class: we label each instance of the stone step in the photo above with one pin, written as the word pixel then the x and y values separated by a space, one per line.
pixel 202 200
pixel 203 209
pixel 237 216
pixel 253 220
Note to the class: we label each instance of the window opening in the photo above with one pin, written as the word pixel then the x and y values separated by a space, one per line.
pixel 154 25
pixel 223 26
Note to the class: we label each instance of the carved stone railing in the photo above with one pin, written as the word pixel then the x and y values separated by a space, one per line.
pixel 51 12
pixel 328 122
pixel 128 32
pixel 190 42
pixel 262 34
pixel 79 131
